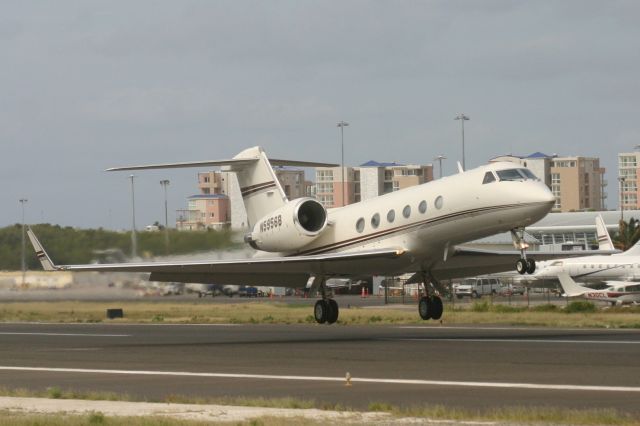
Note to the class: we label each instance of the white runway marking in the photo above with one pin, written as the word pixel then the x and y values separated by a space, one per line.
pixel 585 342
pixel 333 379
pixel 7 333
pixel 454 327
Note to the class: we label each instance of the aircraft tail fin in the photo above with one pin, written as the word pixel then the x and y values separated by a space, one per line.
pixel 569 285
pixel 261 191
pixel 604 240
pixel 42 255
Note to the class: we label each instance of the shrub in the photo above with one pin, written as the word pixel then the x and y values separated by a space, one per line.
pixel 480 307
pixel 580 306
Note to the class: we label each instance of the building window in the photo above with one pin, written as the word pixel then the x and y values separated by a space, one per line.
pixel 422 207
pixel 375 220
pixel 555 178
pixel 406 212
pixel 438 203
pixel 391 216
pixel 396 185
pixel 360 225
pixel 388 175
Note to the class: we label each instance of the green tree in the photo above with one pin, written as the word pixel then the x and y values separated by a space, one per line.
pixel 628 234
pixel 67 245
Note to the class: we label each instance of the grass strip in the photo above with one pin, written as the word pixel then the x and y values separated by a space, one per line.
pixel 506 415
pixel 576 314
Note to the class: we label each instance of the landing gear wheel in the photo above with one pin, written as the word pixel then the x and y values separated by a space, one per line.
pixel 333 311
pixel 424 307
pixel 436 307
pixel 521 266
pixel 531 266
pixel 321 311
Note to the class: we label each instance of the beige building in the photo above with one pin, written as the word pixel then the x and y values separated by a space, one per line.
pixel 292 182
pixel 628 176
pixel 577 182
pixel 205 211
pixel 369 180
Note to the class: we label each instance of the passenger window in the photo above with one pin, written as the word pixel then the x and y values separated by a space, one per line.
pixel 438 202
pixel 375 220
pixel 360 225
pixel 391 216
pixel 488 178
pixel 406 212
pixel 422 207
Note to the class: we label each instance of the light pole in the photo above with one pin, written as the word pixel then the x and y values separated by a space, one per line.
pixel 462 119
pixel 621 179
pixel 342 125
pixel 439 159
pixel 23 263
pixel 165 183
pixel 134 242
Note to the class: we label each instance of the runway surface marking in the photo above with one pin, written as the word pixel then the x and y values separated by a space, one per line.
pixel 584 342
pixel 454 327
pixel 333 379
pixel 7 333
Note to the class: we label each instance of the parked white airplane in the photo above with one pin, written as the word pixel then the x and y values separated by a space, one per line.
pixel 616 293
pixel 594 269
pixel 412 230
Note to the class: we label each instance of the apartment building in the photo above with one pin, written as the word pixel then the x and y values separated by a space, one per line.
pixel 369 180
pixel 205 211
pixel 578 184
pixel 628 176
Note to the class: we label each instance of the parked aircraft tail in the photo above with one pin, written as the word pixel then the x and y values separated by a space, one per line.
pixel 604 240
pixel 569 286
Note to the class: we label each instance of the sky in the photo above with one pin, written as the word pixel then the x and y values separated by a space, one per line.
pixel 89 85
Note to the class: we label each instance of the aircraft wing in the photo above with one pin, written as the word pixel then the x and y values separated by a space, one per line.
pixel 292 271
pixel 469 262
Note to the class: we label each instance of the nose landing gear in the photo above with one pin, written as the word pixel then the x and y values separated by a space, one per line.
pixel 523 265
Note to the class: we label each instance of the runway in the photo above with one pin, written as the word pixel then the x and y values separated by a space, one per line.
pixel 470 367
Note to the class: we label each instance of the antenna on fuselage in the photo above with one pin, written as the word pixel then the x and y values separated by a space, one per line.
pixel 460 169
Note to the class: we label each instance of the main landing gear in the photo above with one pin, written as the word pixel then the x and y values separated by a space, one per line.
pixel 430 306
pixel 523 265
pixel 326 309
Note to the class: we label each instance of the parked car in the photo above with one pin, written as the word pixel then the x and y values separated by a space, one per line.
pixel 511 289
pixel 478 287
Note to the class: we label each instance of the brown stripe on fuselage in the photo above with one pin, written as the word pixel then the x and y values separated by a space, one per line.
pixel 365 238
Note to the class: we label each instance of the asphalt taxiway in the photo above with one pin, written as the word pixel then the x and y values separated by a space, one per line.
pixel 474 367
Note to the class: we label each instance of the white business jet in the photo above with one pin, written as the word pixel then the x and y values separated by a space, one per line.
pixel 616 293
pixel 416 229
pixel 594 269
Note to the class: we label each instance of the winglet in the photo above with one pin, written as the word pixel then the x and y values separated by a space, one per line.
pixel 569 285
pixel 42 255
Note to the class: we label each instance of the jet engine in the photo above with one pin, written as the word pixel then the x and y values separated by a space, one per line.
pixel 290 227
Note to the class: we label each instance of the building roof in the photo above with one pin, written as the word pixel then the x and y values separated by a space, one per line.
pixel 580 221
pixel 207 196
pixel 372 163
pixel 538 155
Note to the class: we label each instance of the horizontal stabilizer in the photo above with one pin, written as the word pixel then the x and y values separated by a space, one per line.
pixel 236 162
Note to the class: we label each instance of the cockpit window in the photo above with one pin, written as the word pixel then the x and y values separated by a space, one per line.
pixel 528 173
pixel 515 174
pixel 488 178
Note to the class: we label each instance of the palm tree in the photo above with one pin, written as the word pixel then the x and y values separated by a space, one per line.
pixel 628 234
